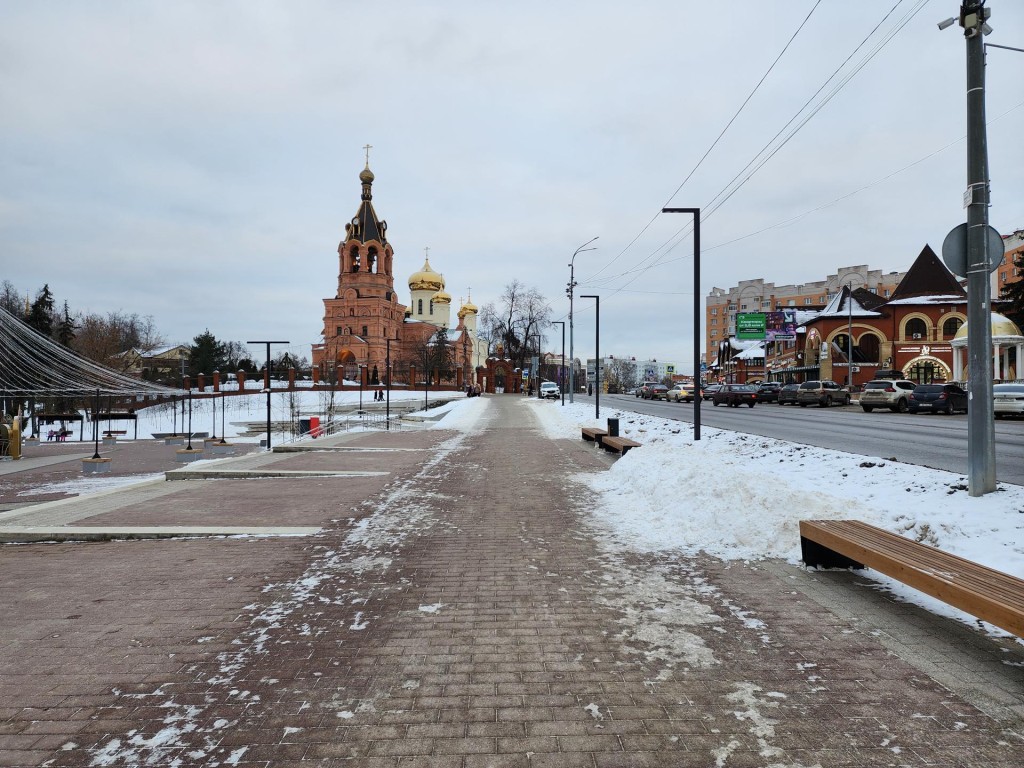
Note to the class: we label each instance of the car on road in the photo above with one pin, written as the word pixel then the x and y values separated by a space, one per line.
pixel 708 392
pixel 655 392
pixel 642 389
pixel 893 394
pixel 937 398
pixel 787 394
pixel 680 393
pixel 768 392
pixel 822 393
pixel 1008 400
pixel 735 395
pixel 549 389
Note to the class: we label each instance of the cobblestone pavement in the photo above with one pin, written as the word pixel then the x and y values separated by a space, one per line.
pixel 462 612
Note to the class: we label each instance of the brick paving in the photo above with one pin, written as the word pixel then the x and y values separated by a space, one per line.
pixel 460 611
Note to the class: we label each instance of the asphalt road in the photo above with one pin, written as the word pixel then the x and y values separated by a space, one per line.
pixel 929 440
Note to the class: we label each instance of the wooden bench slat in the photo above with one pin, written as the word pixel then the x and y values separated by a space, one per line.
pixel 989 594
pixel 594 434
pixel 618 444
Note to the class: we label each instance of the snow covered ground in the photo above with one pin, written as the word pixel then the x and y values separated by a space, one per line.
pixel 741 497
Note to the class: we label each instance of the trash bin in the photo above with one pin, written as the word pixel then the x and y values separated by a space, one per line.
pixel 304 426
pixel 613 427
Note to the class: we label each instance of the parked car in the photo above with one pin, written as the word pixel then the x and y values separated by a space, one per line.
pixel 550 389
pixel 1008 400
pixel 680 393
pixel 735 395
pixel 823 393
pixel 655 392
pixel 642 389
pixel 887 393
pixel 787 395
pixel 937 398
pixel 768 392
pixel 709 391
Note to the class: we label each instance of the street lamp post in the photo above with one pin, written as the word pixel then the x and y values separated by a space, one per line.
pixel 536 368
pixel 597 354
pixel 268 343
pixel 696 310
pixel 362 371
pixel 387 385
pixel 849 338
pixel 561 367
pixel 570 290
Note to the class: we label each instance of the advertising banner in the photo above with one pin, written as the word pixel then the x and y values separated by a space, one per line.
pixel 750 326
pixel 780 326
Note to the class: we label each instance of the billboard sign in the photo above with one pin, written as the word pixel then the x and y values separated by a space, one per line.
pixel 780 326
pixel 750 326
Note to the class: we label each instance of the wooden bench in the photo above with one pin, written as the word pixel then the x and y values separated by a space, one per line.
pixel 114 432
pixel 618 444
pixel 594 434
pixel 990 595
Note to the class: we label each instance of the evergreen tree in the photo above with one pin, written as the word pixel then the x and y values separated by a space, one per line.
pixel 40 314
pixel 66 328
pixel 1014 293
pixel 206 355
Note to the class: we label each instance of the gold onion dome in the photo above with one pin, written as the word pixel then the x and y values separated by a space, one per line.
pixel 427 280
pixel 441 297
pixel 366 175
pixel 1002 327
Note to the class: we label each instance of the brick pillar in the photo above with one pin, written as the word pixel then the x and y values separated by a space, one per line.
pixel 291 378
pixel 216 381
pixel 201 382
pixel 316 376
pixel 240 376
pixel 186 383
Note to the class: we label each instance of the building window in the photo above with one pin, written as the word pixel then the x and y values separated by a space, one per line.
pixel 419 306
pixel 431 306
pixel 807 300
pixel 873 290
pixel 337 330
pixel 916 329
pixel 714 310
pixel 364 331
pixel 886 293
pixel 714 321
pixel 951 326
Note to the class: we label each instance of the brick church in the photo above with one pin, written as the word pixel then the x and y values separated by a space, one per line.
pixel 365 320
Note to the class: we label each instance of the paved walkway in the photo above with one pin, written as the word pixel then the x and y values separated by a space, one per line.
pixel 460 611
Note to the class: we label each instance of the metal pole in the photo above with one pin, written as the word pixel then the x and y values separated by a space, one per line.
pixel 213 435
pixel 561 366
pixel 570 291
pixel 696 314
pixel 981 454
pixel 189 446
pixel 96 426
pixel 268 343
pixel 849 339
pixel 223 432
pixel 597 354
pixel 387 373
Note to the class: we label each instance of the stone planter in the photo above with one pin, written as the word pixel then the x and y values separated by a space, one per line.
pixel 96 466
pixel 185 455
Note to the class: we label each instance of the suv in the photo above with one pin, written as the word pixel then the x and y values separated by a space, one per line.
pixel 824 393
pixel 549 389
pixel 768 392
pixel 886 393
pixel 938 398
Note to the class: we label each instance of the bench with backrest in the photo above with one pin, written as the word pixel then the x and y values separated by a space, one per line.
pixel 618 445
pixel 594 434
pixel 990 595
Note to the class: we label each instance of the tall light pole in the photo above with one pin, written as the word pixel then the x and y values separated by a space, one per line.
pixel 981 451
pixel 597 354
pixel 561 367
pixel 696 312
pixel 849 338
pixel 268 343
pixel 536 368
pixel 569 291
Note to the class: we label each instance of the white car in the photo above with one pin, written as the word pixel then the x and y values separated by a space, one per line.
pixel 1008 400
pixel 893 394
pixel 550 389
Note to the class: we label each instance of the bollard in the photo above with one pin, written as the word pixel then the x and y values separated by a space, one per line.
pixel 613 427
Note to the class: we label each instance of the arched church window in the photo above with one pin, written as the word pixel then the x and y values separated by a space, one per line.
pixel 868 349
pixel 419 306
pixel 951 326
pixel 916 329
pixel 356 260
pixel 371 261
pixel 431 306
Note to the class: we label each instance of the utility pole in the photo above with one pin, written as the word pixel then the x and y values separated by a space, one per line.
pixel 981 439
pixel 268 343
pixel 569 292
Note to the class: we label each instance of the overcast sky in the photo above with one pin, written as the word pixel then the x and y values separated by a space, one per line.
pixel 197 161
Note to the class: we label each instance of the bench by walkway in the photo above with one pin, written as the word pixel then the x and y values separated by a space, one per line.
pixel 990 595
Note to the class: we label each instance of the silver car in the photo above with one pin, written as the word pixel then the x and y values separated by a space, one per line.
pixel 886 393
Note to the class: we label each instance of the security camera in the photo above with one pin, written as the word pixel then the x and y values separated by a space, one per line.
pixel 947 23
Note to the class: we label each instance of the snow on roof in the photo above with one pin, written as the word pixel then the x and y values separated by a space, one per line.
pixel 750 353
pixel 947 299
pixel 838 306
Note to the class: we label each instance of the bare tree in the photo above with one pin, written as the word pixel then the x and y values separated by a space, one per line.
pixel 520 314
pixel 11 300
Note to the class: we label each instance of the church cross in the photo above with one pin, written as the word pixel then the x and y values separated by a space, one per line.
pixel 426 253
pixel 368 147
